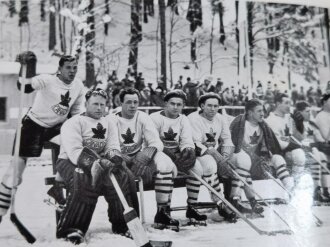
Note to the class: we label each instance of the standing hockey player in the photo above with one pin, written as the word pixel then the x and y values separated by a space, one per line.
pixel 256 148
pixel 89 154
pixel 175 132
pixel 209 129
pixel 142 151
pixel 57 96
pixel 310 136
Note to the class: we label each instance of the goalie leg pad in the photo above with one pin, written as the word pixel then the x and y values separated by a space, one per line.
pixel 80 206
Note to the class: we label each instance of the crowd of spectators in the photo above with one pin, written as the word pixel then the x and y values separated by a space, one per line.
pixel 230 96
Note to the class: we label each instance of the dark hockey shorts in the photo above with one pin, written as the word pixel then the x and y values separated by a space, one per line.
pixel 33 137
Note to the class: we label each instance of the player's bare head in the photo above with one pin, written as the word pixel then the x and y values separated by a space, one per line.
pixel 282 102
pixel 129 99
pixel 304 109
pixel 209 103
pixel 126 92
pixel 95 103
pixel 254 110
pixel 325 101
pixel 67 69
pixel 174 103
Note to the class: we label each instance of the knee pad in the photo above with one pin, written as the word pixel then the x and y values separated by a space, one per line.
pixel 242 160
pixel 80 206
pixel 298 157
pixel 208 164
pixel 163 163
pixel 277 160
pixel 197 168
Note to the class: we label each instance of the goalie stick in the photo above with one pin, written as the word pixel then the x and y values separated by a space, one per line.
pixel 222 198
pixel 13 217
pixel 133 222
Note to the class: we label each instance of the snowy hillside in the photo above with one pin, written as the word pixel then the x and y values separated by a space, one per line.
pixel 112 51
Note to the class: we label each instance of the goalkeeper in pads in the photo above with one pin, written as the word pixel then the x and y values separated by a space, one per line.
pixel 142 150
pixel 176 134
pixel 89 153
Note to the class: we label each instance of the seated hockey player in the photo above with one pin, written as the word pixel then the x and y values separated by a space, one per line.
pixel 56 97
pixel 310 136
pixel 256 149
pixel 209 128
pixel 175 132
pixel 282 125
pixel 89 153
pixel 322 119
pixel 142 150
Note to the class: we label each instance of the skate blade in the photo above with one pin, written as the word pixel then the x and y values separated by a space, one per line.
pixel 254 216
pixel 194 222
pixel 160 226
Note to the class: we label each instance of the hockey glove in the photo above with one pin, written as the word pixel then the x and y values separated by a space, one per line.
pixel 99 168
pixel 141 164
pixel 29 59
pixel 169 153
pixel 223 168
pixel 186 160
pixel 227 151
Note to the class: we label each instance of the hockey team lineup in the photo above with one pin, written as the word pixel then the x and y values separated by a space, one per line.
pixel 116 155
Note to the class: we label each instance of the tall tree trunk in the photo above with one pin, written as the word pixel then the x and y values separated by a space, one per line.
pixel 237 35
pixel 145 11
pixel 250 36
pixel 211 46
pixel 161 4
pixel 42 10
pixel 107 12
pixel 172 23
pixel 136 36
pixel 222 27
pixel 90 42
pixel 327 30
pixel 60 25
pixel 63 29
pixel 52 27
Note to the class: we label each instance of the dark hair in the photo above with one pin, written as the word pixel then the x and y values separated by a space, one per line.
pixel 66 58
pixel 251 104
pixel 207 96
pixel 125 91
pixel 176 93
pixel 96 92
pixel 324 98
pixel 297 117
pixel 279 97
pixel 301 106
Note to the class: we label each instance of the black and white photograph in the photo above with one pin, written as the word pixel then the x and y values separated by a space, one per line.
pixel 165 123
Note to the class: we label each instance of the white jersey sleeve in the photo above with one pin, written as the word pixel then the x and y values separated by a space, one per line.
pixel 280 125
pixel 225 132
pixel 150 132
pixel 72 139
pixel 197 131
pixel 40 82
pixel 322 121
pixel 186 140
pixel 113 139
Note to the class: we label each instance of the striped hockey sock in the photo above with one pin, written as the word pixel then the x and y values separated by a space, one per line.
pixel 193 186
pixel 163 188
pixel 315 169
pixel 213 180
pixel 283 174
pixel 5 198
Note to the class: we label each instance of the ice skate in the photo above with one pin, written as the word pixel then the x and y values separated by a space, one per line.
pixel 195 217
pixel 164 221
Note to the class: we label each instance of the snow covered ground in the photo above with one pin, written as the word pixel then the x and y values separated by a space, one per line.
pixel 40 219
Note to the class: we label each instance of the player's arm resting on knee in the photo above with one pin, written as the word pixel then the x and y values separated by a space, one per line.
pixel 29 60
pixel 150 132
pixel 228 147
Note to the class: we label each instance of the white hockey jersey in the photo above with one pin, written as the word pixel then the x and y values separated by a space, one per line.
pixel 81 131
pixel 55 100
pixel 174 133
pixel 210 133
pixel 322 121
pixel 135 133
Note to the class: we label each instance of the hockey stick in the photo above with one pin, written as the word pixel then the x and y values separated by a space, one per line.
pixel 133 222
pixel 222 198
pixel 21 228
pixel 231 166
pixel 311 154
pixel 318 221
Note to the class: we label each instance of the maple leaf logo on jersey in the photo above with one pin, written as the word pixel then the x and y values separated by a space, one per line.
pixel 170 135
pixel 287 131
pixel 310 132
pixel 210 136
pixel 65 99
pixel 128 137
pixel 99 131
pixel 254 138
